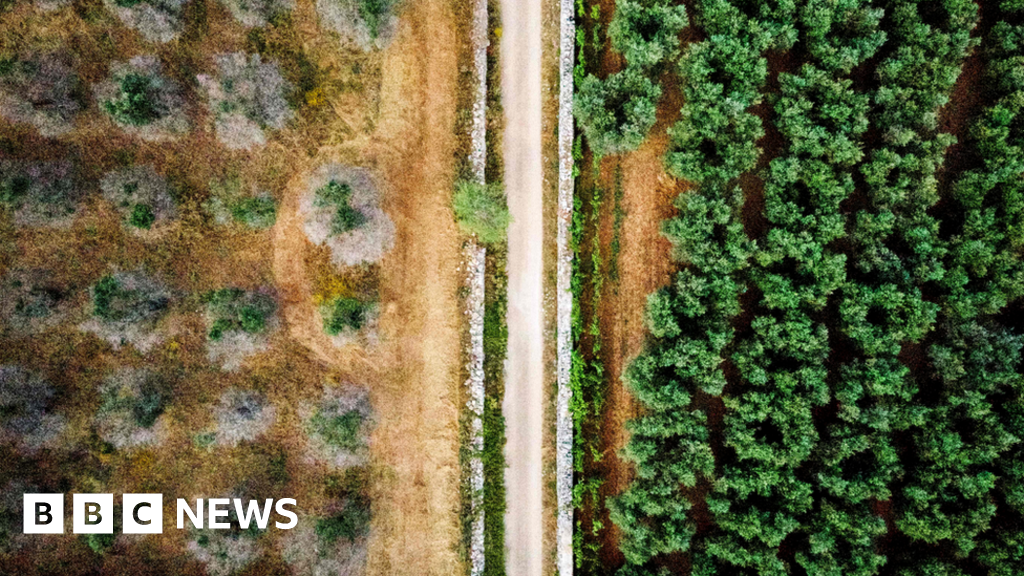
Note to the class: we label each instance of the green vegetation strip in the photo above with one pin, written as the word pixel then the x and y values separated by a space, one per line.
pixel 834 380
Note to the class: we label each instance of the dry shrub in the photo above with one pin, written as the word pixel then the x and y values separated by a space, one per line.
pixel 345 328
pixel 141 196
pixel 131 411
pixel 39 90
pixel 252 13
pixel 368 241
pixel 309 554
pixel 31 301
pixel 368 24
pixel 142 101
pixel 51 5
pixel 40 193
pixel 126 308
pixel 339 427
pixel 230 203
pixel 224 552
pixel 242 415
pixel 239 324
pixel 26 419
pixel 156 20
pixel 247 97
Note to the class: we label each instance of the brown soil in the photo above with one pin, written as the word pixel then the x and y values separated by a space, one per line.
pixel 415 370
pixel 644 265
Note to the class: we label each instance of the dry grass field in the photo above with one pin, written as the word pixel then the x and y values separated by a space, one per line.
pixel 391 110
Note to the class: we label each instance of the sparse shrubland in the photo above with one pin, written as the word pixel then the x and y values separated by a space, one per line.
pixel 230 203
pixel 132 403
pixel 238 323
pixel 142 101
pixel 251 13
pixel 156 20
pixel 40 193
pixel 342 211
pixel 242 416
pixel 27 420
pixel 482 210
pixel 41 90
pixel 31 301
pixel 339 427
pixel 125 309
pixel 140 195
pixel 247 98
pixel 369 24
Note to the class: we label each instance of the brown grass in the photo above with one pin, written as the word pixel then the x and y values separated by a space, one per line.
pixel 393 111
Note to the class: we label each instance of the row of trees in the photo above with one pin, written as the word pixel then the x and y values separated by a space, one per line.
pixel 616 113
pixel 878 363
pixel 692 320
pixel 764 495
pixel 966 485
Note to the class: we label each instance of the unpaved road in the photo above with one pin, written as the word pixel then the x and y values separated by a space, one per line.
pixel 524 381
pixel 414 374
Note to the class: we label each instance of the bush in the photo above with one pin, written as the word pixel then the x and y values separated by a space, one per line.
pixel 40 90
pixel 342 211
pixel 616 113
pixel 132 400
pixel 242 415
pixel 126 307
pixel 32 301
pixel 317 545
pixel 238 324
pixel 247 97
pixel 337 197
pixel 40 193
pixel 233 309
pixel 142 101
pixel 156 20
pixel 27 419
pixel 481 210
pixel 342 314
pixel 368 24
pixel 224 552
pixel 140 195
pixel 251 13
pixel 339 427
pixel 229 203
pixel 351 523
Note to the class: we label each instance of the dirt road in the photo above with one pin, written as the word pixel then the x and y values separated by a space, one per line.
pixel 524 380
pixel 414 374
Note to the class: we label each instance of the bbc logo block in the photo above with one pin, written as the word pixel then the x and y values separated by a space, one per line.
pixel 93 514
pixel 44 514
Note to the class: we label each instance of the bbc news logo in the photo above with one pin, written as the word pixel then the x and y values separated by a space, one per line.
pixel 143 513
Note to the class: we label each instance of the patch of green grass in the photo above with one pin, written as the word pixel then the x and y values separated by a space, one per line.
pixel 493 457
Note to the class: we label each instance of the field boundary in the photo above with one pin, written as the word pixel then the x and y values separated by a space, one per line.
pixel 564 422
pixel 476 260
